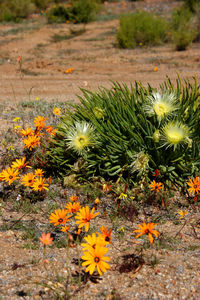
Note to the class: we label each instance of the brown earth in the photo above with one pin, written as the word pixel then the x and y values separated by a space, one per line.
pixel 96 61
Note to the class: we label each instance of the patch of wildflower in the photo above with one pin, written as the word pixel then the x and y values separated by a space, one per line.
pixel 39 184
pixel 194 185
pixel 73 207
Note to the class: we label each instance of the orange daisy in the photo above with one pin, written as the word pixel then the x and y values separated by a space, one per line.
pixel 50 130
pixel 194 185
pixel 156 186
pixel 106 234
pixel 27 132
pixel 84 216
pixel 73 198
pixel 39 172
pixel 9 175
pixel 20 164
pixel 46 239
pixel 59 217
pixel 147 229
pixel 31 142
pixel 28 179
pixel 65 228
pixel 40 122
pixel 72 207
pixel 39 184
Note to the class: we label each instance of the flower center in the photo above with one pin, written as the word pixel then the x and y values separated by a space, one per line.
pixel 40 186
pixel 161 109
pixel 107 239
pixel 10 177
pixel 96 259
pixel 60 220
pixel 147 231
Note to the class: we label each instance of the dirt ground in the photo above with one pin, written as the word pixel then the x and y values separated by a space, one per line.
pixel 47 51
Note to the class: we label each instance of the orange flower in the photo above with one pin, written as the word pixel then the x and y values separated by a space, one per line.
pixel 106 234
pixel 56 111
pixel 147 229
pixel 46 239
pixel 92 241
pixel 39 184
pixel 40 122
pixel 106 188
pixel 20 164
pixel 97 201
pixel 65 228
pixel 31 142
pixel 27 132
pixel 72 207
pixel 39 172
pixel 182 213
pixel 59 217
pixel 84 215
pixel 50 130
pixel 73 198
pixel 155 69
pixel 156 186
pixel 28 179
pixel 2 175
pixel 9 175
pixel 69 70
pixel 194 185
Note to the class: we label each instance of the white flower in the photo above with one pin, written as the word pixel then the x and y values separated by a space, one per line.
pixel 80 136
pixel 161 105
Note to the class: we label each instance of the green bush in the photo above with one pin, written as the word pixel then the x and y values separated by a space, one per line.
pixel 183 32
pixel 192 5
pixel 14 10
pixel 141 28
pixel 130 133
pixel 78 11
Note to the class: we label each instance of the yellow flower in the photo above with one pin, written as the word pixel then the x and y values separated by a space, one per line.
pixel 39 172
pixel 182 213
pixel 16 119
pixel 122 196
pixel 97 201
pixel 95 258
pixel 36 98
pixel 17 127
pixel 155 69
pixel 39 184
pixel 28 179
pixel 20 164
pixel 9 175
pixel 65 228
pixel 93 241
pixel 175 133
pixel 56 111
pixel 147 229
pixel 59 217
pixel 84 216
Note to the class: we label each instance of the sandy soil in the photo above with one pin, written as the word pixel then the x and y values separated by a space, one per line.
pixel 93 55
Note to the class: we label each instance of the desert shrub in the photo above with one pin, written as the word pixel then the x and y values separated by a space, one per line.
pixel 129 132
pixel 14 10
pixel 141 28
pixel 183 32
pixel 77 11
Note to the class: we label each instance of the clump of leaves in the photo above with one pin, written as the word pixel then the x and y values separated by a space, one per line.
pixel 183 32
pixel 129 132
